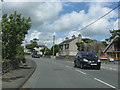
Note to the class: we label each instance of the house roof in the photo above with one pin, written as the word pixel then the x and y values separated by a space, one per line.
pixel 67 41
pixel 110 44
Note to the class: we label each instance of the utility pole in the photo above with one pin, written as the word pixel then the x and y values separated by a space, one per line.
pixel 53 44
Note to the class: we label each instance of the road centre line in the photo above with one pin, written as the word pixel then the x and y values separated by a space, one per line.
pixel 80 71
pixel 104 83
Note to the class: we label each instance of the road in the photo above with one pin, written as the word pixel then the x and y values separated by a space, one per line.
pixel 52 73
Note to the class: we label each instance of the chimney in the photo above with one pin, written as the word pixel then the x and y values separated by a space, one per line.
pixel 73 36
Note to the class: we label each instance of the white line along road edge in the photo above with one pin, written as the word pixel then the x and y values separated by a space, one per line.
pixel 80 71
pixel 104 83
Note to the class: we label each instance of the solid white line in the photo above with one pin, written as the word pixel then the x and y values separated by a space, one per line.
pixel 104 83
pixel 111 68
pixel 68 66
pixel 80 71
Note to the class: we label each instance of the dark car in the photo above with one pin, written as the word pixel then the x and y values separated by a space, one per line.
pixel 35 55
pixel 87 59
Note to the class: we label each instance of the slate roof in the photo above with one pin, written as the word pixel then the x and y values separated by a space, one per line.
pixel 109 45
pixel 67 41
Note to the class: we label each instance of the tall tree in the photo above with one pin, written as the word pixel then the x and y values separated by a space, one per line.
pixel 14 28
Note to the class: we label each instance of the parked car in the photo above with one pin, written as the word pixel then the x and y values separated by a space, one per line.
pixel 103 57
pixel 35 55
pixel 87 59
pixel 111 59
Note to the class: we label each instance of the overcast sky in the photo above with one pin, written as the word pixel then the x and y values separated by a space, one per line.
pixel 65 19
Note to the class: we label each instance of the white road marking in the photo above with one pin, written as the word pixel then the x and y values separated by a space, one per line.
pixel 104 83
pixel 109 68
pixel 114 69
pixel 68 66
pixel 80 71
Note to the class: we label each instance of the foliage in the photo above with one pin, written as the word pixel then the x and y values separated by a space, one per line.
pixel 14 28
pixel 34 41
pixel 104 43
pixel 56 49
pixel 80 46
pixel 67 55
pixel 33 44
pixel 43 50
pixel 87 40
pixel 48 52
pixel 20 53
pixel 115 33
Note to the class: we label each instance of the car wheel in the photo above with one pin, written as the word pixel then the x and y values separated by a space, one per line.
pixel 75 64
pixel 81 66
pixel 98 67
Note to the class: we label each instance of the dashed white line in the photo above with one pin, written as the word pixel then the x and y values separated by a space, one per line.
pixel 80 71
pixel 104 83
pixel 68 66
pixel 108 68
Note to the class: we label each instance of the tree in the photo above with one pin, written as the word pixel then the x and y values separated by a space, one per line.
pixel 87 40
pixel 14 28
pixel 34 41
pixel 33 44
pixel 80 46
pixel 115 33
pixel 56 49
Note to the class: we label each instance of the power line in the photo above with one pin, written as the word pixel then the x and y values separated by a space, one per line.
pixel 99 18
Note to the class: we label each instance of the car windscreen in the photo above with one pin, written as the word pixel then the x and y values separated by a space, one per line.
pixel 89 56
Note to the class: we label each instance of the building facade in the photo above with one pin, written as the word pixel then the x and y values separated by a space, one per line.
pixel 69 47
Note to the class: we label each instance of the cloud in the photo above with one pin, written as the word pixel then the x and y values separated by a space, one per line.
pixel 39 12
pixel 46 19
pixel 71 20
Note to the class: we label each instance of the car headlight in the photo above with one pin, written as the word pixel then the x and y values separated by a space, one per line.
pixel 99 60
pixel 85 60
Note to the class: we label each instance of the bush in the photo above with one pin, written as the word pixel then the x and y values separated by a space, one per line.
pixel 67 55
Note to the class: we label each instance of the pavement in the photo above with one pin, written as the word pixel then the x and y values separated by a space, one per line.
pixel 16 78
pixel 51 73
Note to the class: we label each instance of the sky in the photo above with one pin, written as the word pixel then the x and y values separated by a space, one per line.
pixel 65 18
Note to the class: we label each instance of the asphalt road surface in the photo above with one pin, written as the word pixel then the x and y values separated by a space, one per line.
pixel 52 73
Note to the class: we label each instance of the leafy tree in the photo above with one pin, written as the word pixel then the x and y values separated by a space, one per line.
pixel 34 41
pixel 104 43
pixel 43 50
pixel 14 28
pixel 87 40
pixel 56 49
pixel 80 46
pixel 33 44
pixel 48 52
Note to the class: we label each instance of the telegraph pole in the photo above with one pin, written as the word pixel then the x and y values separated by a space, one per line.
pixel 53 44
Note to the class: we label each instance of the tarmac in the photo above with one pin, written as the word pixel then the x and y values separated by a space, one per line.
pixel 15 79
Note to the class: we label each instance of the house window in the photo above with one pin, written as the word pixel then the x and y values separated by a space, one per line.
pixel 66 46
pixel 61 47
